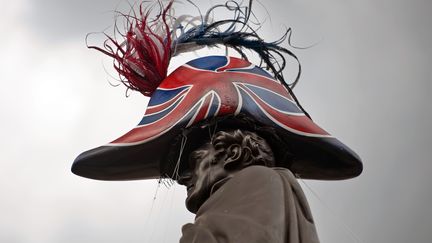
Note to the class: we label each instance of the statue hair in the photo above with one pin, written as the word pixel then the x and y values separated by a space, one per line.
pixel 261 152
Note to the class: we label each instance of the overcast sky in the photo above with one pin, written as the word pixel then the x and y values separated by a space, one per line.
pixel 367 82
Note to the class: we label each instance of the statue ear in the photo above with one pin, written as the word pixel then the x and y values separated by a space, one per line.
pixel 237 156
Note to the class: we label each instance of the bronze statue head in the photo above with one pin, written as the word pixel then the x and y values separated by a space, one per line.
pixel 217 160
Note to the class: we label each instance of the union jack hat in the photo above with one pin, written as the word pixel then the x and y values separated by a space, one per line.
pixel 218 88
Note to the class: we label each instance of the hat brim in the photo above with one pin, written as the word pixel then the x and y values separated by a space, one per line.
pixel 322 158
pixel 113 162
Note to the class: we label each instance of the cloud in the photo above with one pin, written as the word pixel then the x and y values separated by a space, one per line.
pixel 367 82
pixel 69 20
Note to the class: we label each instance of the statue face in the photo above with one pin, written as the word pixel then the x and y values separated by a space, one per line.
pixel 207 165
pixel 210 164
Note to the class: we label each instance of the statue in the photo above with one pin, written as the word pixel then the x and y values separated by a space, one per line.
pixel 238 196
pixel 234 134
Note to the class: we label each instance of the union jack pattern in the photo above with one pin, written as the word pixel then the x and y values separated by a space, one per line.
pixel 217 86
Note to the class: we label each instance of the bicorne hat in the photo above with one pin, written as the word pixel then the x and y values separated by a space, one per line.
pixel 215 89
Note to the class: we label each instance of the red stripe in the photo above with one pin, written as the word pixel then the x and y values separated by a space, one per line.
pixel 204 108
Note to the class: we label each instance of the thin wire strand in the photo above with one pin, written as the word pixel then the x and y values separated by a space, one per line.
pixel 335 216
pixel 159 181
pixel 158 219
pixel 175 174
pixel 169 211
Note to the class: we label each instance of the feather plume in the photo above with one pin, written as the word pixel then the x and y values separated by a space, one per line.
pixel 143 56
pixel 239 33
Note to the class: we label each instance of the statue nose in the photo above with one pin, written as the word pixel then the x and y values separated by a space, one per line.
pixel 184 178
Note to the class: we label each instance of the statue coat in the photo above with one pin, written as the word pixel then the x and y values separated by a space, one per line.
pixel 257 205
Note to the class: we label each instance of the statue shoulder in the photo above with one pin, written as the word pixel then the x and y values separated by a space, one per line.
pixel 262 176
pixel 259 170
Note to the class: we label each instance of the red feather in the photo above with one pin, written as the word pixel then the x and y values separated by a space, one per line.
pixel 143 56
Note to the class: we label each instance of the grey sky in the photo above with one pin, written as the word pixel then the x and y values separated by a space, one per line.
pixel 367 82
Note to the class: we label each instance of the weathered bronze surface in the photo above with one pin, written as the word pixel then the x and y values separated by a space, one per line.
pixel 238 196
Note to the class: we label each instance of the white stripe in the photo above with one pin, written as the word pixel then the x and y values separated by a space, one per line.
pixel 259 87
pixel 155 106
pixel 166 108
pixel 225 71
pixel 209 107
pixel 167 89
pixel 196 113
pixel 240 99
pixel 289 128
pixel 154 137
pixel 281 111
pixel 250 67
pixel 219 105
pixel 201 101
pixel 228 61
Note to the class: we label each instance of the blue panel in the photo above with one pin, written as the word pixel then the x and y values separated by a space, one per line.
pixel 162 96
pixel 255 70
pixel 183 122
pixel 275 100
pixel 158 116
pixel 210 63
pixel 250 108
pixel 213 106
